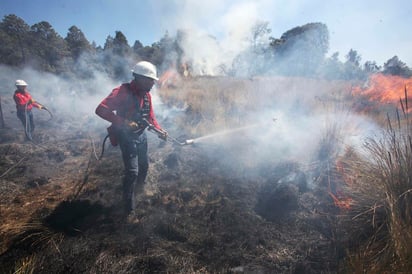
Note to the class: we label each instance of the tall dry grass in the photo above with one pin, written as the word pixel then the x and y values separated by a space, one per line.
pixel 212 104
pixel 209 105
pixel 380 223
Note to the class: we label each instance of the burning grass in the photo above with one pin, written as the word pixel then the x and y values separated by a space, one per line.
pixel 380 185
pixel 218 208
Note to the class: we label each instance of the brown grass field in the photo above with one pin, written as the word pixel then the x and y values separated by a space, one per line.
pixel 284 176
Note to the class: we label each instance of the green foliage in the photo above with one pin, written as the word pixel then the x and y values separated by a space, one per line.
pixel 394 66
pixel 353 58
pixel 301 51
pixel 77 42
pixel 49 48
pixel 120 45
pixel 351 68
pixel 332 67
pixel 116 56
pixel 42 48
pixel 371 67
pixel 14 37
pixel 137 45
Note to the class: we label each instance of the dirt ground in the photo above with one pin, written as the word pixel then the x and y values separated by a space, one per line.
pixel 60 208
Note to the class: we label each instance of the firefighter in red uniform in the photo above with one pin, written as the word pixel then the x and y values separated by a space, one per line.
pixel 129 109
pixel 24 105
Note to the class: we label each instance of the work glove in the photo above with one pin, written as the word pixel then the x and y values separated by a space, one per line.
pixel 131 124
pixel 163 135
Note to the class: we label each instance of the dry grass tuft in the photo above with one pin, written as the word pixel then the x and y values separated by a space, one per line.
pixel 28 237
pixel 381 189
pixel 26 265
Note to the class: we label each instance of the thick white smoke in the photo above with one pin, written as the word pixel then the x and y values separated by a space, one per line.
pixel 231 20
pixel 72 100
pixel 211 43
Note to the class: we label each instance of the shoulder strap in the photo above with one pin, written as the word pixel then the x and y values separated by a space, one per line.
pixel 145 110
pixel 138 112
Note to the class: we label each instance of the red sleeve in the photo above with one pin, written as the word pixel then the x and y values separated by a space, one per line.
pixel 152 117
pixel 35 104
pixel 106 109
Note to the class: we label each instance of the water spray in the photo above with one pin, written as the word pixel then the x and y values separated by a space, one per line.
pixel 221 133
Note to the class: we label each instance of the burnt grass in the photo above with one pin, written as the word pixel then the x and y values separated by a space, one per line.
pixel 61 212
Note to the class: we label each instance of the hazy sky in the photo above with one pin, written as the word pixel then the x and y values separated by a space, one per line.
pixel 376 29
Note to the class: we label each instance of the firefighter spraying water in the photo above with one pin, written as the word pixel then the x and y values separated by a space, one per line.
pixel 24 104
pixel 130 110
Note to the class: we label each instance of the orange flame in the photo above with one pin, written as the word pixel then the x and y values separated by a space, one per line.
pixel 169 78
pixel 341 200
pixel 385 88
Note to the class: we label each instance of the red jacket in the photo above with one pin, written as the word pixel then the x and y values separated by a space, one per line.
pixel 21 98
pixel 121 100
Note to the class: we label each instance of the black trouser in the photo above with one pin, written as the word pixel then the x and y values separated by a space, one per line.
pixel 28 124
pixel 136 165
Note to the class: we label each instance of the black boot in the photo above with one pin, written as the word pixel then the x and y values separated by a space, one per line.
pixel 128 195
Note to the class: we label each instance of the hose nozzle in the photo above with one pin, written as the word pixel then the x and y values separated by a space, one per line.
pixel 189 142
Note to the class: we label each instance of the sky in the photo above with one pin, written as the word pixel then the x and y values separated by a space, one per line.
pixel 376 29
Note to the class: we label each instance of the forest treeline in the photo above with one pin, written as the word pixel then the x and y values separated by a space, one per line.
pixel 300 51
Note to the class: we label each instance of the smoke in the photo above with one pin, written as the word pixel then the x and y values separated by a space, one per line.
pixel 210 44
pixel 71 100
pixel 231 21
pixel 286 120
pixel 241 46
pixel 303 124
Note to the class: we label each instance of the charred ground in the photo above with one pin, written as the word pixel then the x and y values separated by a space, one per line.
pixel 60 205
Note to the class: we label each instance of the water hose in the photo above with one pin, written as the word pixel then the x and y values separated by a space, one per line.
pixel 103 145
pixel 156 131
pixel 166 138
pixel 27 129
pixel 46 109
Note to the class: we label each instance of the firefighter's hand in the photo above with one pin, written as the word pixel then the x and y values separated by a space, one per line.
pixel 163 135
pixel 131 124
pixel 41 107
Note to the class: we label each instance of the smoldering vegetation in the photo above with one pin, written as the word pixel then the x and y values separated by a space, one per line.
pixel 263 188
pixel 286 172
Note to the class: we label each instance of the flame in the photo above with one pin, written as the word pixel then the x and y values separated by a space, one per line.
pixel 385 88
pixel 342 169
pixel 341 202
pixel 340 199
pixel 169 78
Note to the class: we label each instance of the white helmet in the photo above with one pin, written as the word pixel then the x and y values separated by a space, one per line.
pixel 20 83
pixel 145 69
